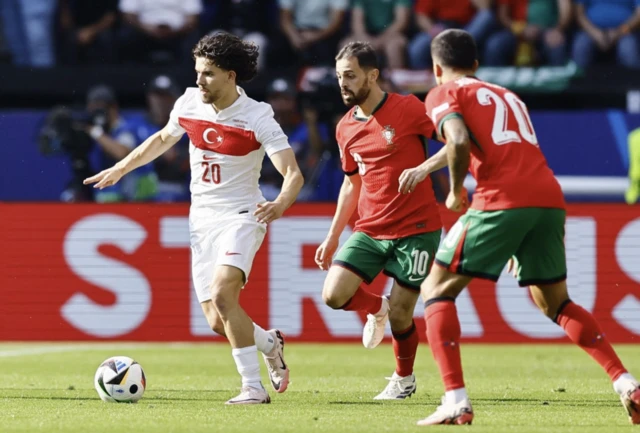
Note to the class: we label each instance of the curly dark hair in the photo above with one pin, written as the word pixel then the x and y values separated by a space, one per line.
pixel 230 53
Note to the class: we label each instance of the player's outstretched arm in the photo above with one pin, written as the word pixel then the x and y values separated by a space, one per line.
pixel 286 164
pixel 347 204
pixel 150 149
pixel 411 177
pixel 458 154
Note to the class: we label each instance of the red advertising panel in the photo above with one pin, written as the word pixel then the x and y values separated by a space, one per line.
pixel 86 272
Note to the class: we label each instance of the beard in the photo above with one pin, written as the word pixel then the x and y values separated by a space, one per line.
pixel 351 99
pixel 208 97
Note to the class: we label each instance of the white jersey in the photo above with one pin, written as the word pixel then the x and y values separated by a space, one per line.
pixel 226 148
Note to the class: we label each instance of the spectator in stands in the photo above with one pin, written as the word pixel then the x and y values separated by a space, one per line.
pixel 534 32
pixel 28 29
pixel 246 19
pixel 313 28
pixel 308 137
pixel 608 25
pixel 434 16
pixel 87 31
pixel 159 30
pixel 172 167
pixel 116 137
pixel 383 24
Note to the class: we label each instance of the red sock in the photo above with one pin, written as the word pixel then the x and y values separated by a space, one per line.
pixel 405 346
pixel 443 333
pixel 363 301
pixel 583 329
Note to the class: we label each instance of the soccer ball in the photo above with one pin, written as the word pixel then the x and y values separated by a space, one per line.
pixel 120 379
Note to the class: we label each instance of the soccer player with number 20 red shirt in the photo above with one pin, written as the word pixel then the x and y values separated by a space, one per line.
pixel 517 216
pixel 229 135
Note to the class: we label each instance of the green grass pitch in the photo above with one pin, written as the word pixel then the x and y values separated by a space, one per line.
pixel 514 388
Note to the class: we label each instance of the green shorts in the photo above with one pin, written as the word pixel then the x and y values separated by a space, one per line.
pixel 481 243
pixel 407 260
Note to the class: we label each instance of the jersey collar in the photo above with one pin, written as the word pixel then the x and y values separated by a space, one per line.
pixel 379 106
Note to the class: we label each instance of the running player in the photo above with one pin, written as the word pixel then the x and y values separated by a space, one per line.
pixel 518 211
pixel 380 140
pixel 229 134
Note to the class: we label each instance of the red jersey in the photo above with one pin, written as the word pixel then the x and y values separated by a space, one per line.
pixel 506 160
pixel 380 148
pixel 517 9
pixel 460 11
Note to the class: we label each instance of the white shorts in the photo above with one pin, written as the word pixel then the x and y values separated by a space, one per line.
pixel 221 238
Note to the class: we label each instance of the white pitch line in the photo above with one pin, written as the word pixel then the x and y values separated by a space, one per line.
pixel 42 350
pixel 37 351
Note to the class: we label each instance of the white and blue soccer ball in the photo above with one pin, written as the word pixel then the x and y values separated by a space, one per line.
pixel 120 379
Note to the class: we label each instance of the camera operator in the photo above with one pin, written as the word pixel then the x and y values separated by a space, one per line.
pixel 116 137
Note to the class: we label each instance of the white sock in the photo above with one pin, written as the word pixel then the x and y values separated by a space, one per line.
pixel 624 382
pixel 264 340
pixel 248 366
pixel 455 396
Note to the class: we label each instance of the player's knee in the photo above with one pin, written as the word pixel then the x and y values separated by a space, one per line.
pixel 224 295
pixel 332 298
pixel 399 315
pixel 217 325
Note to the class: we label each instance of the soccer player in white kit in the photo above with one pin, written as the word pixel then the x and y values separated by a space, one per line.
pixel 229 134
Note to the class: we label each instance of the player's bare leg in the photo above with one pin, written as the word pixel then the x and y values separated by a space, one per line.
pixel 270 343
pixel 439 292
pixel 402 383
pixel 583 329
pixel 238 327
pixel 342 291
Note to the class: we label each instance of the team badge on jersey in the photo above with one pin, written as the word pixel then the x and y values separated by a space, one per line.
pixel 388 133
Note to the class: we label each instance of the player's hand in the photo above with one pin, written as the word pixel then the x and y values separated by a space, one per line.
pixel 410 178
pixel 325 252
pixel 511 267
pixel 457 202
pixel 105 178
pixel 268 212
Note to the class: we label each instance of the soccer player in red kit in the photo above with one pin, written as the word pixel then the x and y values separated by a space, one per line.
pixel 517 216
pixel 382 139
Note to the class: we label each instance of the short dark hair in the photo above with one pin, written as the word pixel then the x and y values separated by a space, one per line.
pixel 455 48
pixel 229 52
pixel 363 51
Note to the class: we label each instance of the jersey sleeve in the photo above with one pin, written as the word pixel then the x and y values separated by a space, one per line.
pixel 173 125
pixel 349 165
pixel 417 119
pixel 268 132
pixel 442 104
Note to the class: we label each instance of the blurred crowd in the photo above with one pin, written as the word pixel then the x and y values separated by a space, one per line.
pixel 291 34
pixel 308 32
